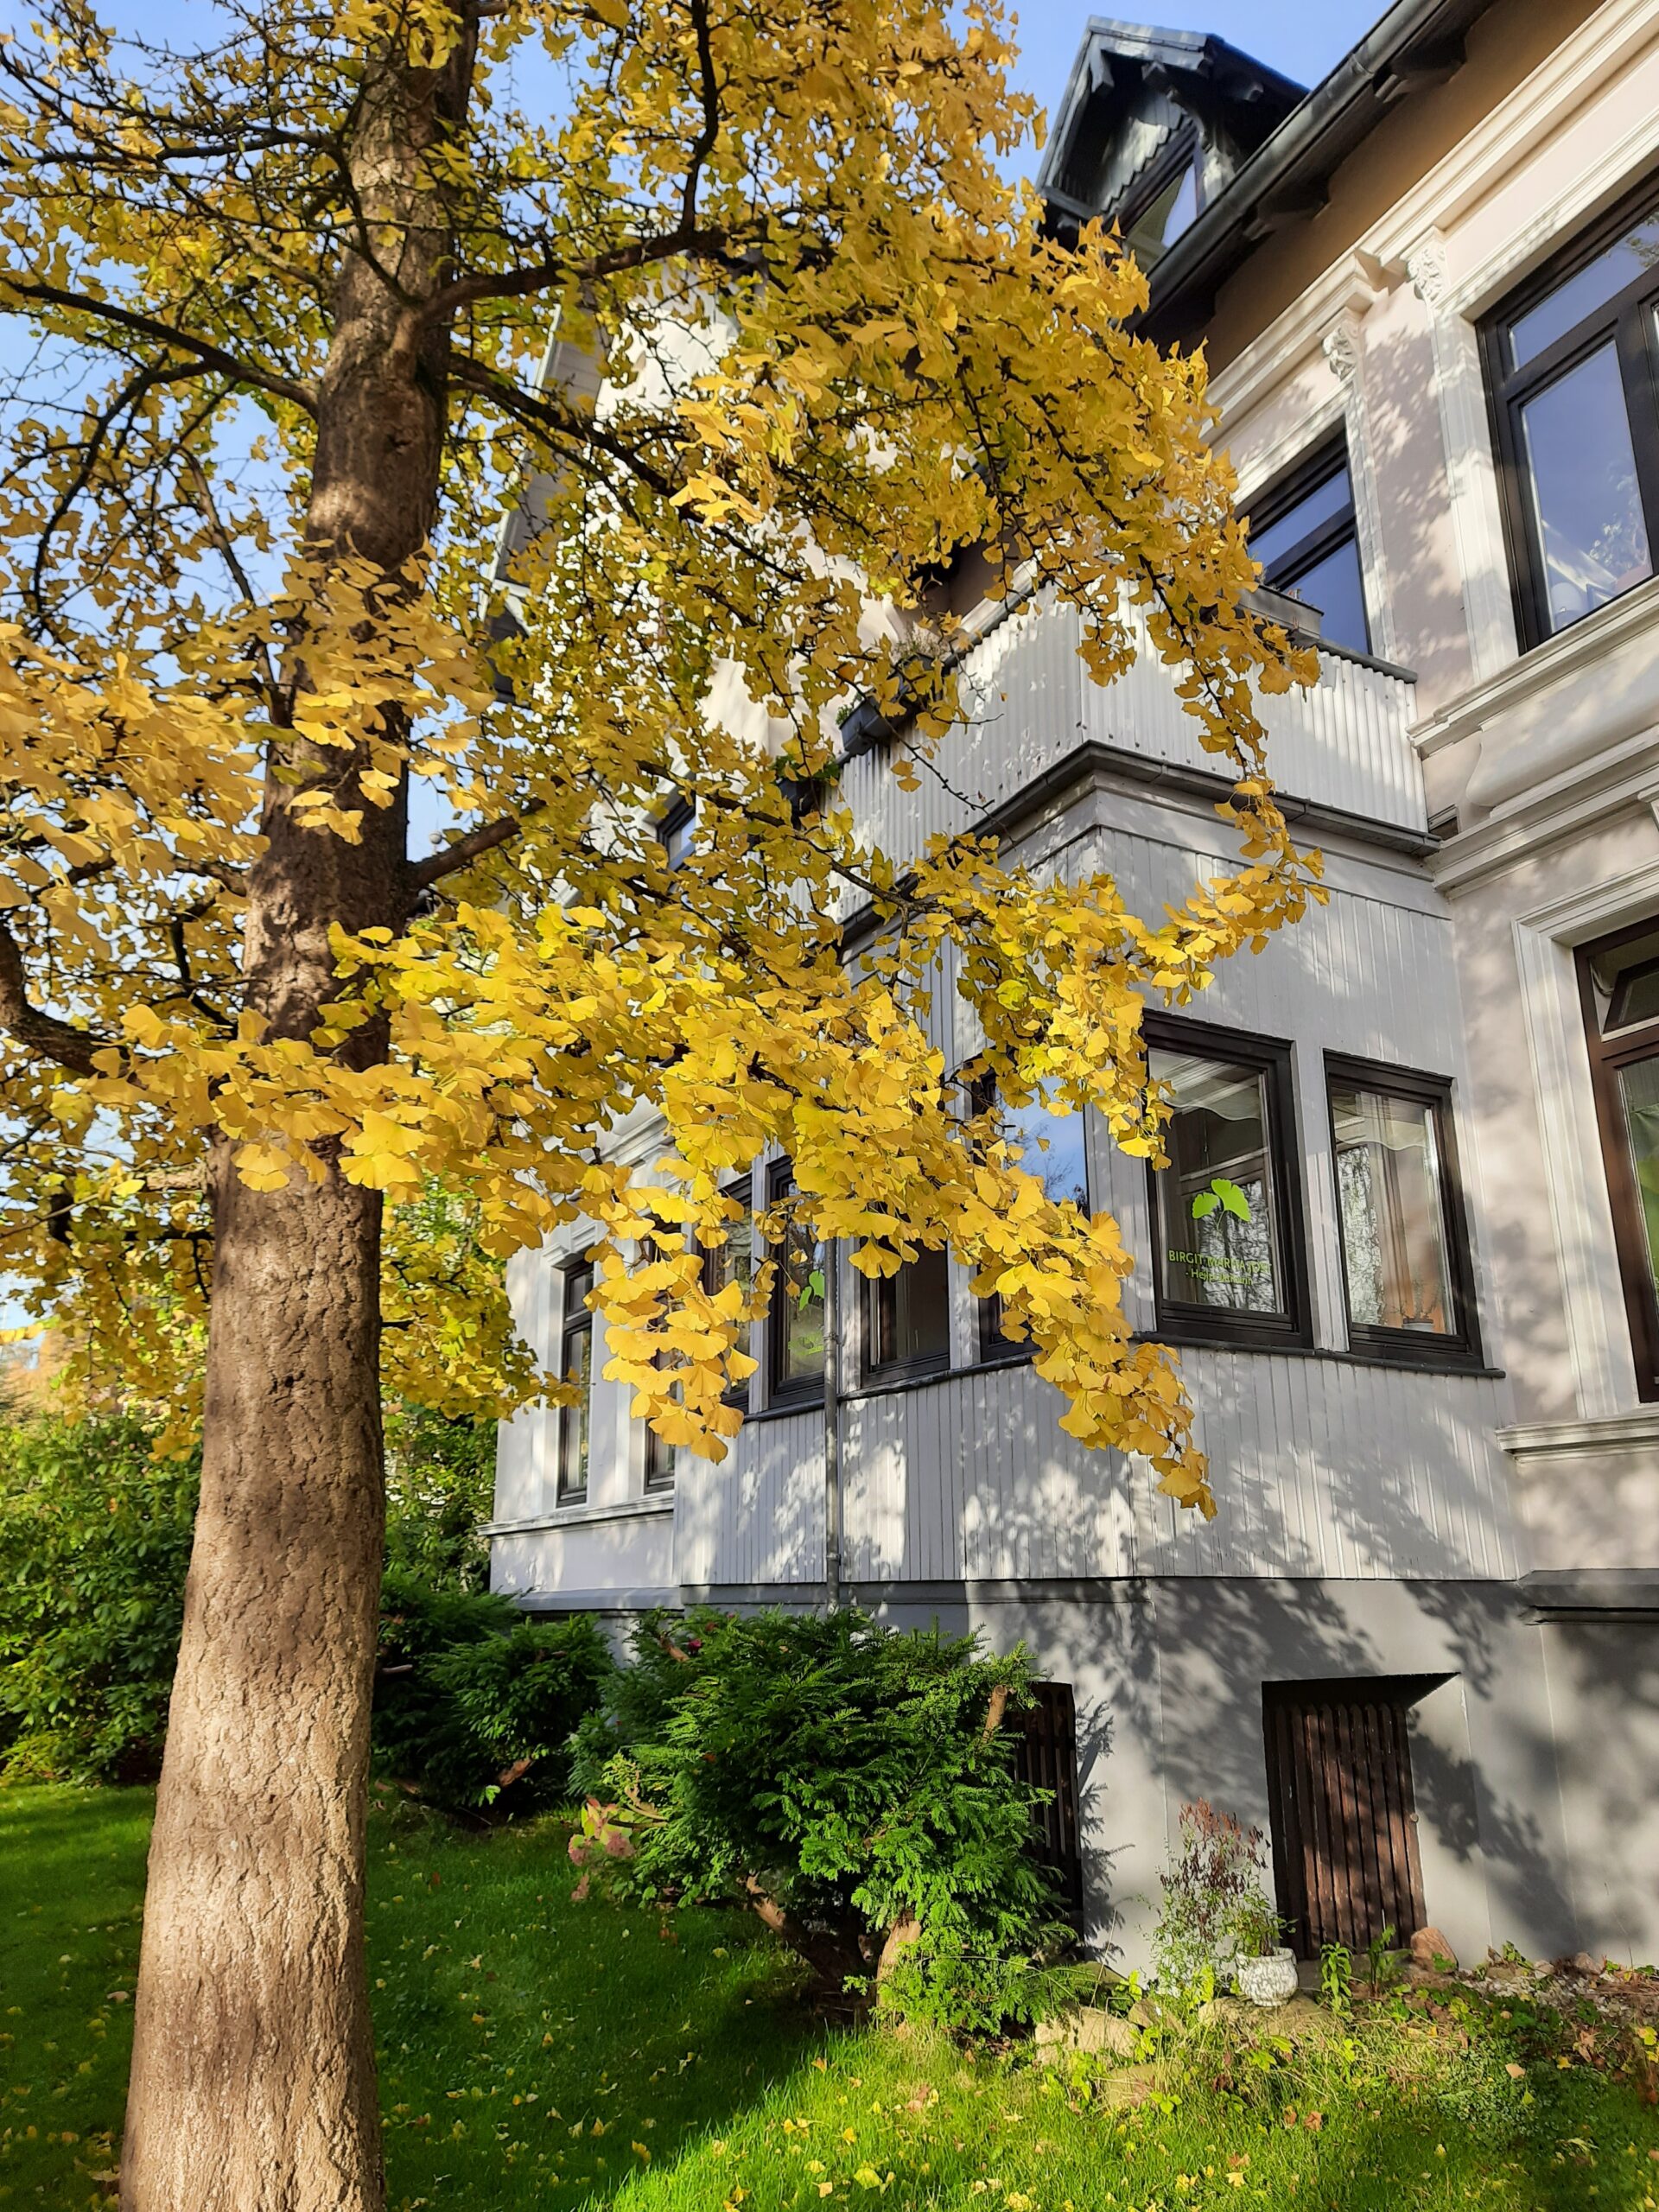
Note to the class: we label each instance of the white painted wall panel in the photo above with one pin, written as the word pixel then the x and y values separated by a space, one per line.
pixel 1028 702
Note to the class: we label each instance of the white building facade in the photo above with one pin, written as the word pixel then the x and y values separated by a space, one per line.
pixel 1420 1643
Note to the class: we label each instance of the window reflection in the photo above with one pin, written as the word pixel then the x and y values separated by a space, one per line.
pixel 796 1318
pixel 1581 479
pixel 1393 1222
pixel 1218 1245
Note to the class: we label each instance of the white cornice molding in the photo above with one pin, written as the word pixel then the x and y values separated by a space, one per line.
pixel 1550 1440
pixel 1602 46
pixel 1558 658
pixel 1349 286
pixel 1626 782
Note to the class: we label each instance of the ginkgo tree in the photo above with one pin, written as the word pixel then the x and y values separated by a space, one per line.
pixel 283 305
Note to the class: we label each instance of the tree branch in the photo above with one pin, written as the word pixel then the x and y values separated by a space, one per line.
pixel 38 1032
pixel 145 325
pixel 461 852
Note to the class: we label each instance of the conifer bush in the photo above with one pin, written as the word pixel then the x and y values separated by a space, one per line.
pixel 851 1783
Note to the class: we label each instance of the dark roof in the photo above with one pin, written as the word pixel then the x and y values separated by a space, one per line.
pixel 1285 172
pixel 1239 100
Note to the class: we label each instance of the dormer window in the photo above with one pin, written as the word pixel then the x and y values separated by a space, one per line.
pixel 1165 205
pixel 1175 210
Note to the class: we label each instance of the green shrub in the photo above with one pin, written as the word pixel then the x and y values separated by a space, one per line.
pixel 850 1783
pixel 440 1487
pixel 94 1542
pixel 475 1706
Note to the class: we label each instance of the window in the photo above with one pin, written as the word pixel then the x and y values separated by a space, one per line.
pixel 1303 532
pixel 575 1365
pixel 1571 360
pixel 1618 979
pixel 1227 1210
pixel 794 1331
pixel 1052 1146
pixel 1405 1249
pixel 677 831
pixel 907 1319
pixel 733 1261
pixel 1163 202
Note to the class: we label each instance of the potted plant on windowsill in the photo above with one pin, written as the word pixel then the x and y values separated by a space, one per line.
pixel 1264 1967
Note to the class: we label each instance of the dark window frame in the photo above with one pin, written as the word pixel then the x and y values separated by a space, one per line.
pixel 680 813
pixel 874 1371
pixel 1181 151
pixel 742 1188
pixel 659 1464
pixel 1460 1347
pixel 576 1319
pixel 1178 1323
pixel 799 1390
pixel 1285 492
pixel 1608 1056
pixel 1623 318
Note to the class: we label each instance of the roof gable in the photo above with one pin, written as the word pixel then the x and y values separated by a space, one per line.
pixel 1139 97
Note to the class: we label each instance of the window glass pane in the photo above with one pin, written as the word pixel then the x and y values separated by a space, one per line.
pixel 798 1309
pixel 911 1314
pixel 1635 253
pixel 1625 983
pixel 733 1261
pixel 1635 996
pixel 659 1461
pixel 1173 211
pixel 1219 1242
pixel 679 832
pixel 1638 1099
pixel 1336 586
pixel 1052 1145
pixel 573 1421
pixel 1582 472
pixel 1322 503
pixel 1393 1220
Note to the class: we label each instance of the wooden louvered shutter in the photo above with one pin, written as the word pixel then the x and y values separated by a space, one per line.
pixel 1345 1823
pixel 1045 1757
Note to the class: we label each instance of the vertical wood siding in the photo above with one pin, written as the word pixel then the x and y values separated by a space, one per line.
pixel 1323 1466
pixel 1027 701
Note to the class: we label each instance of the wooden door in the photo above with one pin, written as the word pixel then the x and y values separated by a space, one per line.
pixel 1045 1757
pixel 1345 1823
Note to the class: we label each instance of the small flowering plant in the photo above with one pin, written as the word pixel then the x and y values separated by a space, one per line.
pixel 1215 1900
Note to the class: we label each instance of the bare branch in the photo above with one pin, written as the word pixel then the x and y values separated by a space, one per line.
pixel 208 355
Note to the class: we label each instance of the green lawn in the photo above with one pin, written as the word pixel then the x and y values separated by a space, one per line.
pixel 538 2052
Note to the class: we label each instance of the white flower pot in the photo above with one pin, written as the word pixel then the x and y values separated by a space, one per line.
pixel 1270 1980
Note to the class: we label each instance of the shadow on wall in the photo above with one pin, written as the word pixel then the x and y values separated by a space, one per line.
pixel 1168 1689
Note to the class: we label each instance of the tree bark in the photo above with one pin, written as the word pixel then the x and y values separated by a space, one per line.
pixel 253 2086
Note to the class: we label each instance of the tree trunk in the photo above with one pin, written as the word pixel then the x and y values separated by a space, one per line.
pixel 253 2074
pixel 253 2086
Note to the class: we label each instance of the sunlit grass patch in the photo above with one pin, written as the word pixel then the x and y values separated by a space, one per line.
pixel 538 2052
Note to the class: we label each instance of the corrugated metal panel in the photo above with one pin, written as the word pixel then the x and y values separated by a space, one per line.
pixel 1028 702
